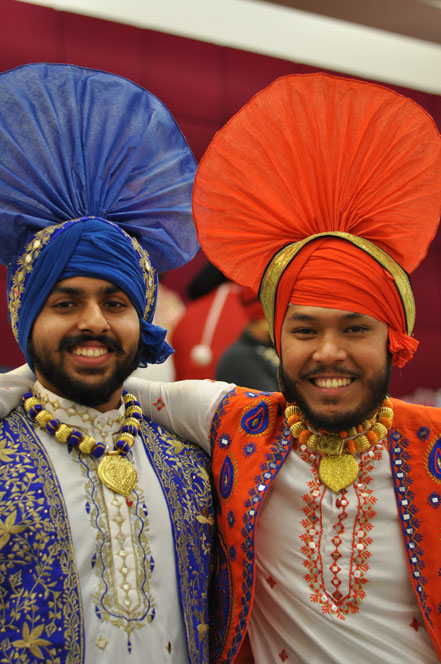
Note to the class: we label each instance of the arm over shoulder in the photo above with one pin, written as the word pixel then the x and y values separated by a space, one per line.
pixel 13 385
pixel 185 408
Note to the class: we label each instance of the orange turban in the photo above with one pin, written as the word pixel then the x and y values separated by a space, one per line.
pixel 332 273
pixel 313 155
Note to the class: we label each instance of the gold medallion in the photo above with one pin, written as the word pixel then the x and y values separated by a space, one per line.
pixel 330 443
pixel 118 474
pixel 338 472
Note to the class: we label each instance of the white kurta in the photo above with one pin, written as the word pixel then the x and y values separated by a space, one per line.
pixel 332 583
pixel 123 548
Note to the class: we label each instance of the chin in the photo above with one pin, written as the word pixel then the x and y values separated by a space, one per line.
pixel 337 419
pixel 90 387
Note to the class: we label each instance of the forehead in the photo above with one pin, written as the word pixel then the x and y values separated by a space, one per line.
pixel 85 286
pixel 324 315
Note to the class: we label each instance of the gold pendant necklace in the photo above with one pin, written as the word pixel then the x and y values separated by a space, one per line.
pixel 117 473
pixel 338 467
pixel 114 470
pixel 338 472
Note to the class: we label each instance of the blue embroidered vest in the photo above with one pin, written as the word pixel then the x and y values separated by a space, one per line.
pixel 40 601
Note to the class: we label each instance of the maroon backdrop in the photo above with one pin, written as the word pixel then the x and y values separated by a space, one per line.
pixel 203 85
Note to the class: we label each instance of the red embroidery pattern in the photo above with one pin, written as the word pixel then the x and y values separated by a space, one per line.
pixel 283 655
pixel 415 623
pixel 270 581
pixel 339 528
pixel 335 603
pixel 159 404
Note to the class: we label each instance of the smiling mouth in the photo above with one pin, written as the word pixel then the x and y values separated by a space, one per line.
pixel 88 351
pixel 331 383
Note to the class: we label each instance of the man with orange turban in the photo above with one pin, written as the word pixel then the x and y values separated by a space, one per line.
pixel 321 194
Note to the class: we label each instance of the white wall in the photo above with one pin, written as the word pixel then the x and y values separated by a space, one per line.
pixel 282 32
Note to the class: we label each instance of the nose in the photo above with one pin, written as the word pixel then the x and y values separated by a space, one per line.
pixel 92 318
pixel 330 349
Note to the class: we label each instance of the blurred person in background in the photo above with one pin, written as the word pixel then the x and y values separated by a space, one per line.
pixel 213 319
pixel 252 360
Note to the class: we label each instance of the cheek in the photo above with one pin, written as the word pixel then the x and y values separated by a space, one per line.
pixel 47 331
pixel 292 358
pixel 130 328
pixel 42 331
pixel 376 350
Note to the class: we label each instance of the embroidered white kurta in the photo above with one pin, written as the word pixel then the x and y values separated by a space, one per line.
pixel 331 576
pixel 123 548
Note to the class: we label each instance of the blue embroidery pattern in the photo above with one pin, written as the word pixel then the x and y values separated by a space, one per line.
pixel 182 469
pixel 38 575
pixel 224 441
pixel 106 596
pixel 274 459
pixel 231 518
pixel 400 456
pixel 256 419
pixel 221 605
pixel 423 433
pixel 249 449
pixel 434 500
pixel 226 478
pixel 217 419
pixel 434 460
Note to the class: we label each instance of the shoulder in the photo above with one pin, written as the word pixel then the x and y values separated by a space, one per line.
pixel 413 416
pixel 250 409
pixel 15 416
pixel 404 410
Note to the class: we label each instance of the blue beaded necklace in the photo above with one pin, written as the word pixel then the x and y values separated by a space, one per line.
pixel 114 469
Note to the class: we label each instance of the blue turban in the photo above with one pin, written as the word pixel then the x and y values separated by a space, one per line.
pixel 81 148
pixel 93 248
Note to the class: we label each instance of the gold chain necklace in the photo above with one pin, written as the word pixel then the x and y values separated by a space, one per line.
pixel 338 466
pixel 114 469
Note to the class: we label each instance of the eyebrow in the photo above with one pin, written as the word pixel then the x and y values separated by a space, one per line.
pixel 69 290
pixel 308 317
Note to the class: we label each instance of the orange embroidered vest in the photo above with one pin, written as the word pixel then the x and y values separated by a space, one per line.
pixel 250 441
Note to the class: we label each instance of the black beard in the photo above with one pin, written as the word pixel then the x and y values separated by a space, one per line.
pixel 74 388
pixel 378 386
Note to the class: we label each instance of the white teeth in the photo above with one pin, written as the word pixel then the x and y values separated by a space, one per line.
pixel 332 382
pixel 87 351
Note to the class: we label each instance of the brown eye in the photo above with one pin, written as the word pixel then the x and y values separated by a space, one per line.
pixel 64 304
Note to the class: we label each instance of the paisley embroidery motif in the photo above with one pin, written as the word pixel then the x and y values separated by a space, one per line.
pixel 226 478
pixel 256 419
pixel 434 460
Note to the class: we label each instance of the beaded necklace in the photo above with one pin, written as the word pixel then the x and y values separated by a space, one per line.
pixel 338 467
pixel 114 469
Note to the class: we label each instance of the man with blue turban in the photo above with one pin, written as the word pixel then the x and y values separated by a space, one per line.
pixel 105 517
